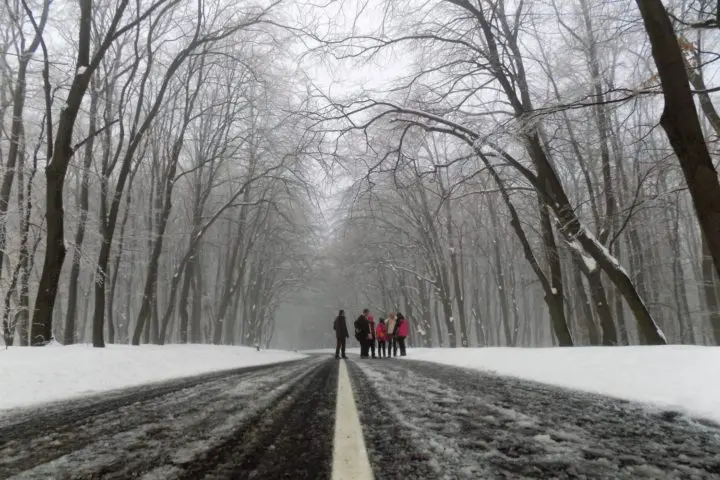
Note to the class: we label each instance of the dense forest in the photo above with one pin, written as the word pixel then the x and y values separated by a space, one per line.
pixel 504 172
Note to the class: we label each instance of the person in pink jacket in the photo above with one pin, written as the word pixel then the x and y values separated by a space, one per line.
pixel 402 332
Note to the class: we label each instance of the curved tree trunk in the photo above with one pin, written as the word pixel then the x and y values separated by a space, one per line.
pixel 681 123
pixel 553 286
pixel 515 86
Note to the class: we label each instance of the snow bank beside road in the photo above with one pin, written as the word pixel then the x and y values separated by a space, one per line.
pixel 35 375
pixel 679 377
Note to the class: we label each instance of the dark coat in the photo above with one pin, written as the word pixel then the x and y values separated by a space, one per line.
pixel 396 327
pixel 362 328
pixel 340 327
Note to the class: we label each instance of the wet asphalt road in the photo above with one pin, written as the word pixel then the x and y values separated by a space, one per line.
pixel 452 423
pixel 420 421
pixel 248 423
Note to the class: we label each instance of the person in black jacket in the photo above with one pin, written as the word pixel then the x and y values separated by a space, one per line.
pixel 363 334
pixel 341 333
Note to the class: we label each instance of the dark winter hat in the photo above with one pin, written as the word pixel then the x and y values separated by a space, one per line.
pixel 382 320
pixel 342 313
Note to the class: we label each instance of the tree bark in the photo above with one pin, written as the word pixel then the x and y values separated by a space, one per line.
pixel 455 273
pixel 586 310
pixel 41 328
pixel 60 152
pixel 546 180
pixel 150 290
pixel 553 286
pixel 499 274
pixel 198 287
pixel 681 124
pixel 17 126
pixel 84 203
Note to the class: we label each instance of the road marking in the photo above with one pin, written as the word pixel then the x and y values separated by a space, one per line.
pixel 350 458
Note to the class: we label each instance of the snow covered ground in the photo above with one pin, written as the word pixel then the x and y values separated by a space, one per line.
pixel 35 375
pixel 685 378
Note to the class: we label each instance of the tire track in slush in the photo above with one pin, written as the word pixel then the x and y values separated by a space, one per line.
pixel 292 439
pixel 469 424
pixel 161 433
pixel 59 414
pixel 392 452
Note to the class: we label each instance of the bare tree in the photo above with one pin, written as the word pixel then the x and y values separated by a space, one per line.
pixel 680 121
pixel 61 150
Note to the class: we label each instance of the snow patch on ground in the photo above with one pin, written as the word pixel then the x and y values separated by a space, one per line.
pixel 677 377
pixel 36 375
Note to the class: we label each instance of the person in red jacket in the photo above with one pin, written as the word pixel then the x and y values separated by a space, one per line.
pixel 381 335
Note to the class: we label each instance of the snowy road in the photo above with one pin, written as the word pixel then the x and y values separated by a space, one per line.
pixel 445 422
pixel 268 420
pixel 420 420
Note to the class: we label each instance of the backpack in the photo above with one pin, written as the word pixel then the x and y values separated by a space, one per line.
pixel 358 331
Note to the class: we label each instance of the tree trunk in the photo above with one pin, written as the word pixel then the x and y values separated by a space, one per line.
pixel 586 310
pixel 17 128
pixel 499 275
pixel 426 317
pixel 555 288
pixel 150 290
pixel 59 154
pixel 603 123
pixel 682 306
pixel 455 274
pixel 546 181
pixel 80 234
pixel 680 121
pixel 573 229
pixel 475 304
pixel 623 335
pixel 184 300
pixel 116 269
pixel 21 273
pixel 86 303
pixel 198 286
pixel 709 287
pixel 41 328
pixel 602 307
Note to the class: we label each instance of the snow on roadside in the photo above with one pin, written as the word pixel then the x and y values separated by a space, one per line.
pixel 678 377
pixel 35 375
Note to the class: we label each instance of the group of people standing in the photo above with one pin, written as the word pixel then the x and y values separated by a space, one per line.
pixel 388 336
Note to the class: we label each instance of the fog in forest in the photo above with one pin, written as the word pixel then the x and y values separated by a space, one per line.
pixel 208 171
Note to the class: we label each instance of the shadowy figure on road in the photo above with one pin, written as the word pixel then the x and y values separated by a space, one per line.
pixel 341 334
pixel 363 334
